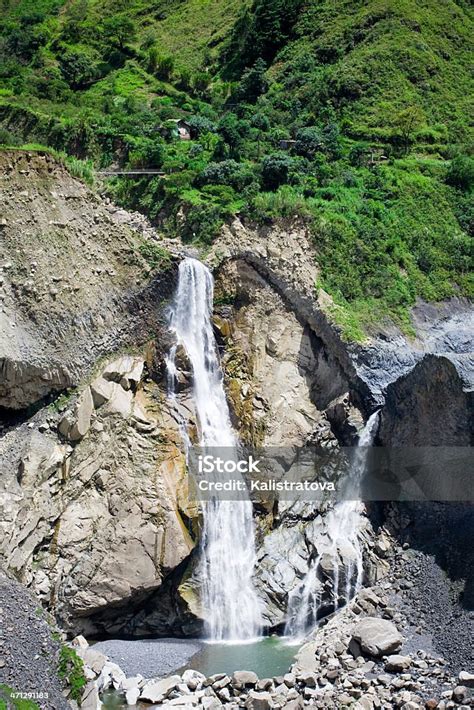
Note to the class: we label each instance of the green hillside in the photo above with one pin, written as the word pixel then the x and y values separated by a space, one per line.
pixel 351 115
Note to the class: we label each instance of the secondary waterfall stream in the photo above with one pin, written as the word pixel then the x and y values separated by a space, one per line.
pixel 227 552
pixel 343 523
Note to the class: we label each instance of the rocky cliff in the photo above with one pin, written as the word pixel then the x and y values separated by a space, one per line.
pixel 95 516
pixel 89 493
pixel 74 284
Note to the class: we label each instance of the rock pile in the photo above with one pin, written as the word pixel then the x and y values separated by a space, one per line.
pixel 359 660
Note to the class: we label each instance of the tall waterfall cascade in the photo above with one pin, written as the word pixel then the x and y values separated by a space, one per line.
pixel 227 551
pixel 343 525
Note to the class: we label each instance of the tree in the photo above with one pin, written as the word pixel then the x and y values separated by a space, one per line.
pixel 227 172
pixel 253 83
pixel 308 141
pixel 461 173
pixel 119 30
pixel 200 125
pixel 233 130
pixel 276 170
pixel 405 125
pixel 79 68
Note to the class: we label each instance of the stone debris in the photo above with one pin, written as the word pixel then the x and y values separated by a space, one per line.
pixel 345 664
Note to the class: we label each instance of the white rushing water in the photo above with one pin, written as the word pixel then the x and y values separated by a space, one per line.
pixel 343 524
pixel 227 554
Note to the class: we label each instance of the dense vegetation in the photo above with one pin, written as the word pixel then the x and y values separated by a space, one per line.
pixel 350 114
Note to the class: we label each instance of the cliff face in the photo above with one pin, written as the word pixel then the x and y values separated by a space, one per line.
pixel 429 406
pixel 94 510
pixel 74 285
pixel 89 505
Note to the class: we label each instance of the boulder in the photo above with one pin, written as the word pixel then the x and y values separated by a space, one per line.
pixel 126 370
pixel 111 676
pixel 377 637
pixel 460 694
pixel 466 679
pixel 133 682
pixel 296 704
pixel 221 682
pixel 258 701
pixel 155 691
pixel 101 391
pixel 397 663
pixel 132 695
pixel 193 679
pixel 90 698
pixel 210 703
pixel 75 424
pixel 95 660
pixel 365 702
pixel 241 679
pixel 310 680
pixel 80 642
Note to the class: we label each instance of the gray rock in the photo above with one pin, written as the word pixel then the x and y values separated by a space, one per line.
pixel 264 684
pixel 460 693
pixel 92 658
pixel 397 663
pixel 210 703
pixel 111 676
pixel 187 700
pixel 126 370
pixel 101 391
pixel 221 682
pixel 466 679
pixel 295 704
pixel 132 695
pixel 258 701
pixel 90 698
pixel 241 679
pixel 155 691
pixel 377 637
pixel 193 679
pixel 75 423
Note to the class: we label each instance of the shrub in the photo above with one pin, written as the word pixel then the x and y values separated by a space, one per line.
pixel 200 125
pixel 461 173
pixel 8 138
pixel 227 172
pixel 79 68
pixel 308 141
pixel 155 255
pixel 276 169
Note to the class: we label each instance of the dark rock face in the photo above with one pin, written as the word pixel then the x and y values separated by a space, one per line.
pixel 428 407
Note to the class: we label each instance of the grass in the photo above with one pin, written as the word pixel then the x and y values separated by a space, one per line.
pixel 71 671
pixel 156 256
pixel 377 58
pixel 9 700
pixel 375 98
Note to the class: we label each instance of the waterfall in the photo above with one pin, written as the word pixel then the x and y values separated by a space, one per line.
pixel 227 550
pixel 343 523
